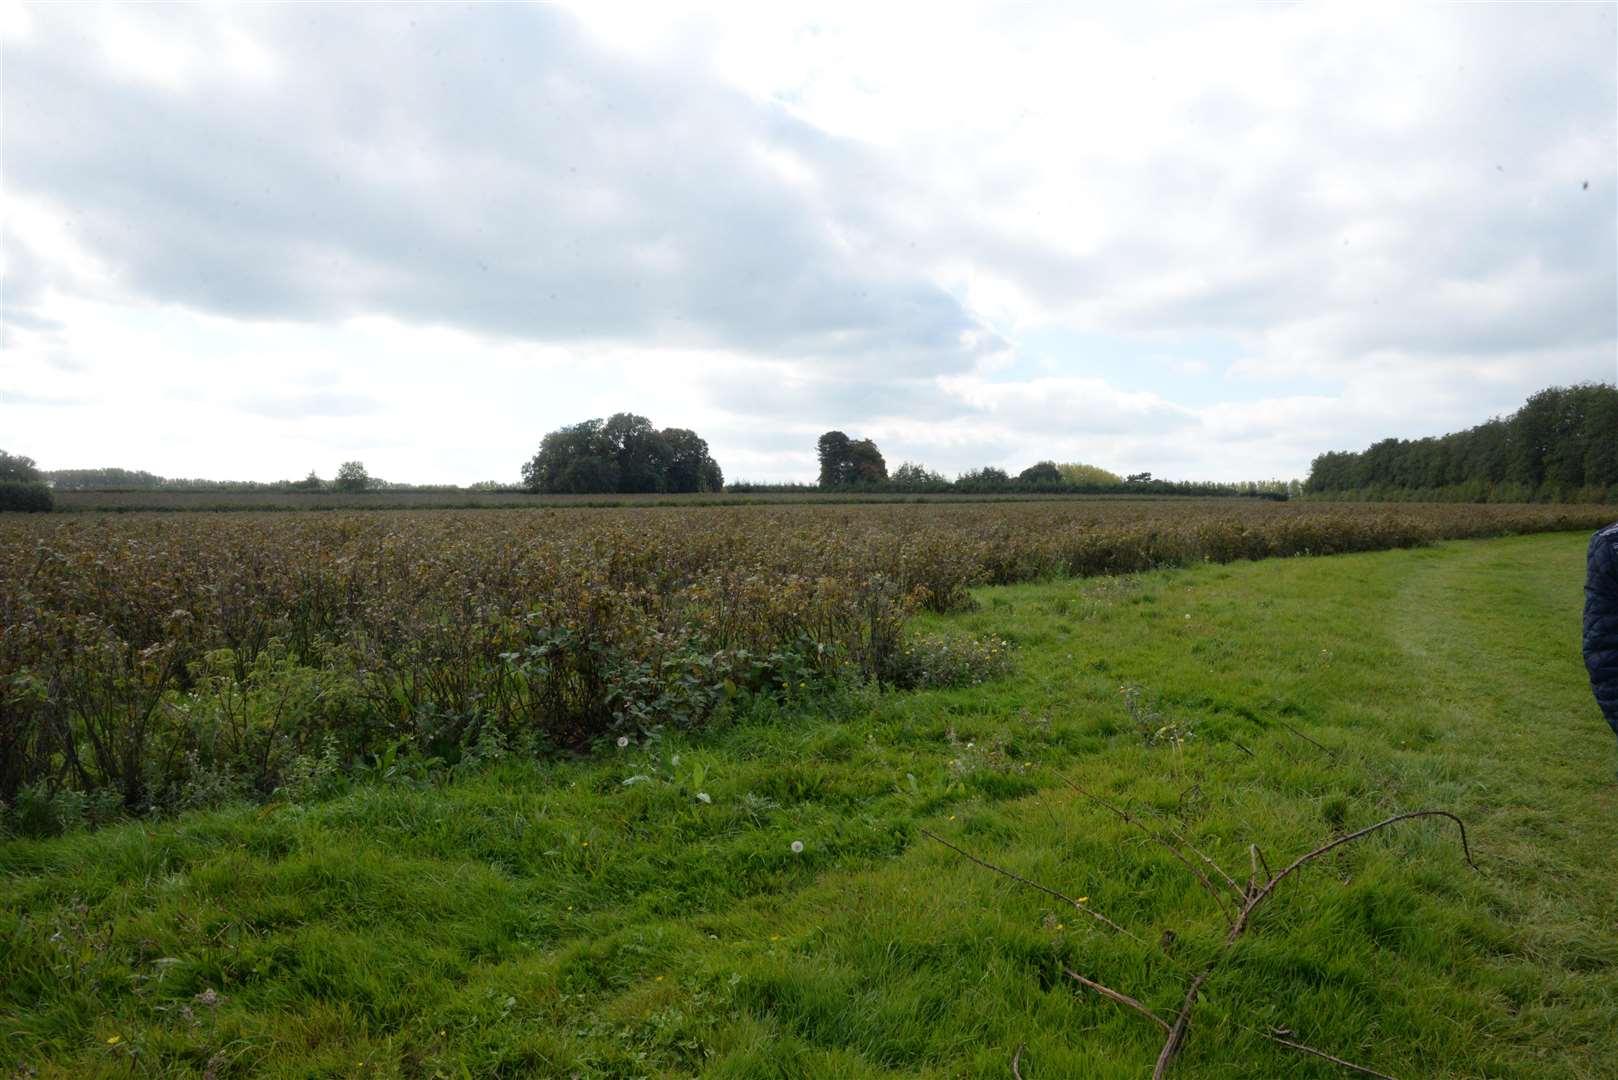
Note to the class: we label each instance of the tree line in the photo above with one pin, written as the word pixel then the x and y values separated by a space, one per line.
pixel 1561 446
pixel 350 477
pixel 855 465
pixel 626 454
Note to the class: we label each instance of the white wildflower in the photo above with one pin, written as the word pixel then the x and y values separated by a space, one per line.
pixel 797 847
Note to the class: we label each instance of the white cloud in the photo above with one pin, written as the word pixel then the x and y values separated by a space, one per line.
pixel 248 241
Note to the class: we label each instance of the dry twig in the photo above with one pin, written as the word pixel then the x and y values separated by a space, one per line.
pixel 1322 1054
pixel 1253 897
pixel 1122 999
pixel 1182 1023
pixel 1031 884
pixel 1207 885
pixel 1307 739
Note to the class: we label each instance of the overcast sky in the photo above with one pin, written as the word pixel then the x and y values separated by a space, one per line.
pixel 1209 242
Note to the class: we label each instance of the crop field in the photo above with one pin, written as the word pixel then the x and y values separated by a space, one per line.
pixel 171 661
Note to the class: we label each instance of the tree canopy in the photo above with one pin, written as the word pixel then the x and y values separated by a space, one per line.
pixel 912 476
pixel 18 467
pixel 1041 472
pixel 1074 472
pixel 988 478
pixel 845 462
pixel 1562 444
pixel 623 454
pixel 351 476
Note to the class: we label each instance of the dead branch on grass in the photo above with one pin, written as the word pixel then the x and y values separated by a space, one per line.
pixel 1328 751
pixel 1294 1044
pixel 1031 884
pixel 1122 999
pixel 1208 886
pixel 1253 896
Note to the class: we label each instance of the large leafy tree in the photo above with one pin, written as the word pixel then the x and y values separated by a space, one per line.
pixel 1076 472
pixel 18 467
pixel 690 467
pixel 351 476
pixel 1041 472
pixel 866 463
pixel 845 461
pixel 642 454
pixel 624 454
pixel 572 460
pixel 834 461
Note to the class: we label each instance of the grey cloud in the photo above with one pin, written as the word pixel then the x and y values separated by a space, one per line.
pixel 1487 179
pixel 487 168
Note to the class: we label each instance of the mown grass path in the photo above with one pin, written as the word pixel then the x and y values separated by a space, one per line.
pixel 555 921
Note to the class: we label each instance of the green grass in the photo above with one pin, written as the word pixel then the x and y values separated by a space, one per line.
pixel 549 920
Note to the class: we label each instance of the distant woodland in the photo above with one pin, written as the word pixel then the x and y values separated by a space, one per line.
pixel 1561 446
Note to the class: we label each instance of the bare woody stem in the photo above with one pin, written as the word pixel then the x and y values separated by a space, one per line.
pixel 1208 886
pixel 1031 884
pixel 1182 1023
pixel 1322 1054
pixel 1341 840
pixel 1254 896
pixel 1122 999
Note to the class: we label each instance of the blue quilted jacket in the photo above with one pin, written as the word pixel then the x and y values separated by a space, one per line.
pixel 1601 621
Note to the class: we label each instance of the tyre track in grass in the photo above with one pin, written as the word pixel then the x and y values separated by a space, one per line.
pixel 1494 628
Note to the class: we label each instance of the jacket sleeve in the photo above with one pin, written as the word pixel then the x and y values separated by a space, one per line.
pixel 1601 621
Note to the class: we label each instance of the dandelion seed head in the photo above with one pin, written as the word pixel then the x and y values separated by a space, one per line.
pixel 797 847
